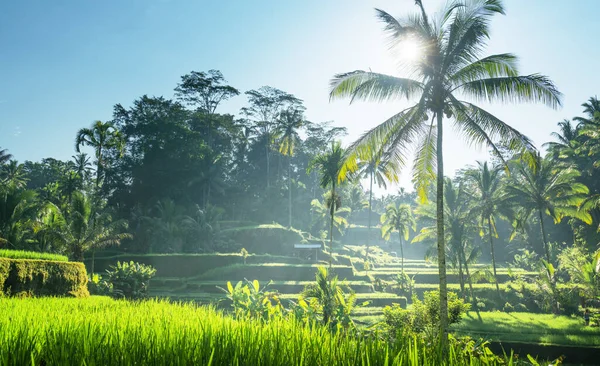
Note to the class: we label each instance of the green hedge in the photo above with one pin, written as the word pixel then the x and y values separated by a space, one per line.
pixel 31 277
pixel 187 265
pixel 264 239
pixel 22 254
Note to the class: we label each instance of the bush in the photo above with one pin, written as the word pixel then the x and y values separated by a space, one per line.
pixel 130 280
pixel 22 254
pixel 98 286
pixel 423 318
pixel 30 277
pixel 262 239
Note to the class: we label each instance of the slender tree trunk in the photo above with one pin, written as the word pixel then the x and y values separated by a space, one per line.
pixel 290 191
pixel 461 277
pixel 493 255
pixel 543 229
pixel 332 212
pixel 369 229
pixel 93 261
pixel 401 252
pixel 441 249
pixel 267 149
pixel 99 168
pixel 473 300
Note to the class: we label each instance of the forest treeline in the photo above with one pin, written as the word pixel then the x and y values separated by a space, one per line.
pixel 167 175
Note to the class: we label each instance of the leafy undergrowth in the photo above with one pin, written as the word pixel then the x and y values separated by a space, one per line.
pixel 101 331
pixel 529 328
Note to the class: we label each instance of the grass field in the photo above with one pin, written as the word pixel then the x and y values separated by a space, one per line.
pixel 529 328
pixel 22 254
pixel 101 331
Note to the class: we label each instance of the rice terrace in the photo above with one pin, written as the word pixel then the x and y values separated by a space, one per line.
pixel 424 197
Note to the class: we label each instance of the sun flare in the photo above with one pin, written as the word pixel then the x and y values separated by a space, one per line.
pixel 410 50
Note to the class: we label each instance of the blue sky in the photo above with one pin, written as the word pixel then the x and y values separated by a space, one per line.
pixel 64 64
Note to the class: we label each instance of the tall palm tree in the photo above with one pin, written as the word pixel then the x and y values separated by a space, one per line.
pixel 101 137
pixel 398 218
pixel 81 165
pixel 541 188
pixel 450 65
pixel 4 156
pixel 592 110
pixel 334 168
pixel 377 169
pixel 290 121
pixel 489 202
pixel 322 212
pixel 86 229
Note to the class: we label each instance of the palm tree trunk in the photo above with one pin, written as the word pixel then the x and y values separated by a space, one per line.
pixel 493 255
pixel 543 229
pixel 401 252
pixel 93 261
pixel 99 168
pixel 441 249
pixel 332 211
pixel 369 229
pixel 473 300
pixel 461 277
pixel 267 148
pixel 290 192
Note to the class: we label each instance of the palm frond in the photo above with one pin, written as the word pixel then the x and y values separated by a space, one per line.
pixel 370 86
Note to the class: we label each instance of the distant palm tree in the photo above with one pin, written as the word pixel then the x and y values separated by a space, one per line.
pixel 592 109
pixel 4 156
pixel 81 165
pixel 450 65
pixel 18 208
pixel 376 168
pixel 101 137
pixel 86 229
pixel 489 202
pixel 543 189
pixel 398 218
pixel 322 211
pixel 334 169
pixel 290 121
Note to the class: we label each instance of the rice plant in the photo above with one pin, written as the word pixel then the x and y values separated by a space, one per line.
pixel 22 254
pixel 102 331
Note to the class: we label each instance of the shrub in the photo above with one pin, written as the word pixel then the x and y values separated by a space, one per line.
pixel 22 254
pixel 30 277
pixel 249 301
pixel 98 286
pixel 262 239
pixel 130 280
pixel 423 318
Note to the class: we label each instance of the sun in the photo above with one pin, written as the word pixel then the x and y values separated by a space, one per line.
pixel 410 50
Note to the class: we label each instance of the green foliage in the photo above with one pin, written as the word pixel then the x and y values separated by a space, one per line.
pixel 22 254
pixel 32 277
pixel 423 317
pixel 98 286
pixel 261 239
pixel 130 280
pixel 250 301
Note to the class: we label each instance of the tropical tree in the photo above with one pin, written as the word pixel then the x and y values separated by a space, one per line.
pixel 450 65
pixel 373 166
pixel 333 167
pixel 87 229
pixel 101 136
pixel 398 218
pixel 4 156
pixel 489 203
pixel 538 187
pixel 290 121
pixel 322 212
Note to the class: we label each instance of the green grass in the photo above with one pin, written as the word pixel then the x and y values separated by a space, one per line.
pixel 529 328
pixel 22 254
pixel 101 331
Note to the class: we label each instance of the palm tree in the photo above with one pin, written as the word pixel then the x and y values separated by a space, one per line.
pixel 4 156
pixel 334 167
pixel 371 165
pixel 86 229
pixel 101 137
pixel 592 109
pixel 398 218
pixel 489 202
pixel 322 212
pixel 450 65
pixel 459 229
pixel 290 121
pixel 81 165
pixel 542 189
